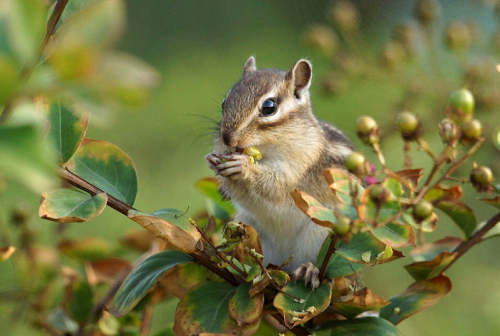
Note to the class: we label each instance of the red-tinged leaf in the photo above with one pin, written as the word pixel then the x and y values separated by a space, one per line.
pixel 341 183
pixel 107 167
pixel 419 296
pixel 365 244
pixel 338 266
pixel 410 175
pixel 441 192
pixel 366 326
pixel 106 270
pixel 243 308
pixel 169 225
pixel 395 235
pixel 461 214
pixel 430 251
pixel 204 309
pixel 138 283
pixel 71 205
pixel 424 270
pixel 307 305
pixel 492 201
pixel 361 301
pixel 313 209
pixel 6 252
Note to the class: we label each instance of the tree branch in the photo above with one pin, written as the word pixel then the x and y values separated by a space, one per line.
pixel 30 67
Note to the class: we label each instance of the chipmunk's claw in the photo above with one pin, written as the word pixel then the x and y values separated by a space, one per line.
pixel 310 273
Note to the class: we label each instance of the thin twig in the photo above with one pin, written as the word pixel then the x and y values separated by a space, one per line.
pixel 30 67
pixel 474 239
pixel 331 250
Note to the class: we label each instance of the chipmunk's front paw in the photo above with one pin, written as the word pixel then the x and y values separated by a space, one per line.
pixel 309 272
pixel 234 166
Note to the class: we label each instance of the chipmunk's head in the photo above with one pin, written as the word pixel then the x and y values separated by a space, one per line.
pixel 265 105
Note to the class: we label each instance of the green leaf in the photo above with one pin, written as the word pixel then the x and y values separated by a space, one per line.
pixel 143 277
pixel 419 296
pixel 305 303
pixel 393 186
pixel 366 326
pixel 68 125
pixel 362 243
pixel 243 308
pixel 62 322
pixel 217 206
pixel 107 167
pixel 337 265
pixel 98 26
pixel 461 214
pixel 71 205
pixel 204 309
pixel 430 251
pixel 424 270
pixel 24 157
pixel 78 300
pixel 395 235
pixel 25 27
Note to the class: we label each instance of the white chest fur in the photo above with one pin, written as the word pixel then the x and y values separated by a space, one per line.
pixel 284 231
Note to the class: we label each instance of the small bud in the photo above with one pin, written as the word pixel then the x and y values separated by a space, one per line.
pixel 461 105
pixel 482 179
pixel 355 163
pixel 234 231
pixel 366 257
pixel 386 254
pixel 367 130
pixel 409 125
pixel 471 131
pixel 449 132
pixel 379 194
pixel 458 36
pixel 423 210
pixel 426 11
pixel 342 226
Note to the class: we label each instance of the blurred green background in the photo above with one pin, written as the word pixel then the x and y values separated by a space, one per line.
pixel 199 47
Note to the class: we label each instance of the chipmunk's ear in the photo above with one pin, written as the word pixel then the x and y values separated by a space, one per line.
pixel 249 65
pixel 299 77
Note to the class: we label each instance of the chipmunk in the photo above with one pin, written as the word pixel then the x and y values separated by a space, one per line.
pixel 271 110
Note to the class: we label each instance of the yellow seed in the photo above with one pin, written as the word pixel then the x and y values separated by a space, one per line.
pixel 254 152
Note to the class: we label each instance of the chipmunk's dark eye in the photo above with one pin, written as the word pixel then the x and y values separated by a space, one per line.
pixel 268 108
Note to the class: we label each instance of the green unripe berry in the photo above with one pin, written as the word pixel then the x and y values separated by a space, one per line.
pixel 355 162
pixel 408 124
pixel 448 131
pixel 472 129
pixel 461 105
pixel 365 124
pixel 367 130
pixel 423 210
pixel 481 176
pixel 342 226
pixel 379 194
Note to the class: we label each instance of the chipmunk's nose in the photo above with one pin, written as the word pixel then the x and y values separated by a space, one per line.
pixel 229 140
